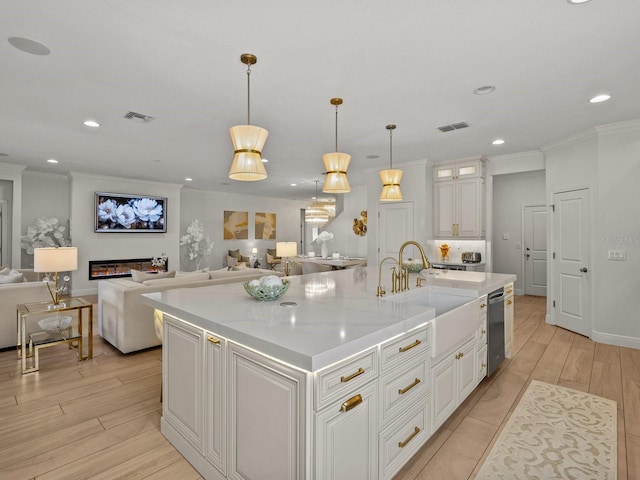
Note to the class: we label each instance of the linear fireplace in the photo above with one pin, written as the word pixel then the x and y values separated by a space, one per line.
pixel 102 269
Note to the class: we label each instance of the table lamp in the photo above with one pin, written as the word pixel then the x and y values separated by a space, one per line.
pixel 54 260
pixel 254 252
pixel 286 250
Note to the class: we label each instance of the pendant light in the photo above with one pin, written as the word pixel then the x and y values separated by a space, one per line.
pixel 316 213
pixel 391 177
pixel 336 164
pixel 248 139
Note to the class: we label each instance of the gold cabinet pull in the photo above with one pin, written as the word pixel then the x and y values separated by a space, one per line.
pixel 213 339
pixel 404 390
pixel 484 305
pixel 409 438
pixel 353 402
pixel 352 376
pixel 484 365
pixel 509 302
pixel 409 347
pixel 484 331
pixel 457 356
pixel 509 291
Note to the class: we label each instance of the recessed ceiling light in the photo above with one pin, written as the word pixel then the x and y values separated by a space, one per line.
pixel 498 141
pixel 603 97
pixel 372 157
pixel 313 198
pixel 294 184
pixel 578 2
pixel 487 89
pixel 29 46
pixel 264 160
pixel 188 179
pixel 52 160
pixel 91 123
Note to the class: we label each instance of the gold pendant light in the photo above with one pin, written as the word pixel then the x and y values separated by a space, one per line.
pixel 391 178
pixel 336 164
pixel 248 139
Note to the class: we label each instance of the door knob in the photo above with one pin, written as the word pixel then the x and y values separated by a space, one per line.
pixel 527 255
pixel 584 270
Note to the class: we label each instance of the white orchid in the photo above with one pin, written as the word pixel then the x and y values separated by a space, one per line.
pixel 197 242
pixel 323 237
pixel 46 232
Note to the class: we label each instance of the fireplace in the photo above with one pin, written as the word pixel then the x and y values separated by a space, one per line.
pixel 103 269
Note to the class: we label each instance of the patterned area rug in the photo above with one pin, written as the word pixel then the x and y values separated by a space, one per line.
pixel 556 432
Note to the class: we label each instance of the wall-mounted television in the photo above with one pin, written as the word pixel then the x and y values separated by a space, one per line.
pixel 118 212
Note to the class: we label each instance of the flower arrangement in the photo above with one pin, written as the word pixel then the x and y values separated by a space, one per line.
pixel 159 262
pixel 197 242
pixel 322 238
pixel 135 213
pixel 46 232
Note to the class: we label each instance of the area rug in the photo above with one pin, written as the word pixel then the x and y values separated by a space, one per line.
pixel 556 432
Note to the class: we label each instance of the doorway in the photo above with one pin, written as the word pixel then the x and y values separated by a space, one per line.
pixel 535 249
pixel 571 240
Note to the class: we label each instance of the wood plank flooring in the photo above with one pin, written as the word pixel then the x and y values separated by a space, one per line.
pixel 100 419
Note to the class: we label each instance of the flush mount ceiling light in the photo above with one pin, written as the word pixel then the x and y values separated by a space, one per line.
pixel 336 164
pixel 248 139
pixel 29 46
pixel 603 97
pixel 91 123
pixel 487 89
pixel 391 177
pixel 577 2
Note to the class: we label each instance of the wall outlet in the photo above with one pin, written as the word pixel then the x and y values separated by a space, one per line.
pixel 619 255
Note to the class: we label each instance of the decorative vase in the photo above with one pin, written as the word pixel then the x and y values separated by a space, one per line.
pixel 324 250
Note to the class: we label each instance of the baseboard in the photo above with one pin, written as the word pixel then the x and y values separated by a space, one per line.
pixel 617 340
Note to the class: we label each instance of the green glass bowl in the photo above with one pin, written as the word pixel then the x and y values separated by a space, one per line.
pixel 264 293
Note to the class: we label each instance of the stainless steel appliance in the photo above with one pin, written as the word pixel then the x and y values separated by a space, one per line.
pixel 495 330
pixel 471 257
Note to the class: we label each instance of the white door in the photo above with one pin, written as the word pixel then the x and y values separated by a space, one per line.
pixel 396 227
pixel 571 243
pixel 535 250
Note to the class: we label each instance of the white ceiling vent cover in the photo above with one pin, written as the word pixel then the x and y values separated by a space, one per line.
pixel 138 116
pixel 453 126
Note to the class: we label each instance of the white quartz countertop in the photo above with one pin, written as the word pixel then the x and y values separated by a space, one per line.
pixel 336 314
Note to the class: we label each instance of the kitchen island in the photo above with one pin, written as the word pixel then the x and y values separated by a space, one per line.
pixel 329 381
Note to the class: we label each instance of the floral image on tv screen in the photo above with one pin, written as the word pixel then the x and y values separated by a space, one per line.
pixel 116 212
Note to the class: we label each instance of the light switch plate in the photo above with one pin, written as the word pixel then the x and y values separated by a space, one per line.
pixel 619 255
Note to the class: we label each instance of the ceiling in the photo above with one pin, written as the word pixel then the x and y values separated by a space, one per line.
pixel 414 63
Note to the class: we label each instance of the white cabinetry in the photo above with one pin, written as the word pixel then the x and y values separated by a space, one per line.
pixel 458 199
pixel 508 319
pixel 481 336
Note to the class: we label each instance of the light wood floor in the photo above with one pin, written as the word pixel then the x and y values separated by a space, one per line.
pixel 99 419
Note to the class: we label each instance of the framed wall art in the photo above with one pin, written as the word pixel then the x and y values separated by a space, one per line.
pixel 265 226
pixel 236 225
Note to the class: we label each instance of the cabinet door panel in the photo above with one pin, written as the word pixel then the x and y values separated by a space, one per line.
pixel 443 389
pixel 467 370
pixel 444 208
pixel 469 198
pixel 183 398
pixel 347 441
pixel 216 425
pixel 266 421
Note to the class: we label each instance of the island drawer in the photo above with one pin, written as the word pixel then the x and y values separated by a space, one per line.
pixel 403 385
pixel 338 380
pixel 400 440
pixel 403 348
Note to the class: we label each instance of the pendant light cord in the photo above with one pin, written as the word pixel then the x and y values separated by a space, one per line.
pixel 390 149
pixel 336 128
pixel 249 94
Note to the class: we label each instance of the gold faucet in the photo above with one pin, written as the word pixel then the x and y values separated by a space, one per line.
pixel 404 271
pixel 395 278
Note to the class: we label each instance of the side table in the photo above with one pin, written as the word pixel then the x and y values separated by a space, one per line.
pixel 29 343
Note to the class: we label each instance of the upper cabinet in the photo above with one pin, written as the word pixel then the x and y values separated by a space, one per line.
pixel 459 199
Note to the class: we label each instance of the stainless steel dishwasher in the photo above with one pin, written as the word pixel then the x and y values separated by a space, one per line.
pixel 495 330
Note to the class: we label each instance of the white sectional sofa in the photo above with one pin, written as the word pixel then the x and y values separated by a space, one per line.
pixel 30 290
pixel 127 323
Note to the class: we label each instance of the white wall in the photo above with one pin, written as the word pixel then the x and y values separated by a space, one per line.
pixel 13 173
pixel 116 246
pixel 510 193
pixel 209 207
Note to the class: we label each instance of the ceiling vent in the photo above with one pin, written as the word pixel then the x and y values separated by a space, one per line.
pixel 138 116
pixel 453 126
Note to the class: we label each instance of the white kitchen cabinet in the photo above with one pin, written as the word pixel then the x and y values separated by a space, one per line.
pixel 459 200
pixel 347 437
pixel 482 363
pixel 508 319
pixel 215 402
pixel 267 406
pixel 453 379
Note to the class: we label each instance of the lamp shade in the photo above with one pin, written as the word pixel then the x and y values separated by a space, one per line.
pixel 248 141
pixel 391 185
pixel 336 165
pixel 55 259
pixel 254 250
pixel 286 249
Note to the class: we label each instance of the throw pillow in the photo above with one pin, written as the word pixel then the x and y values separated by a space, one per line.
pixel 12 278
pixel 138 276
pixel 240 266
pixel 272 252
pixel 5 271
pixel 244 259
pixel 235 254
pixel 231 261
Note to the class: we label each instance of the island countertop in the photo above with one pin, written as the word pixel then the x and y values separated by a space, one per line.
pixel 336 314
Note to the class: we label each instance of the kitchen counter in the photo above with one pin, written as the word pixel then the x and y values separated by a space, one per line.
pixel 336 314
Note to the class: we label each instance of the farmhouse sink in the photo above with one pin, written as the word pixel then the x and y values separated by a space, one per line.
pixel 456 316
